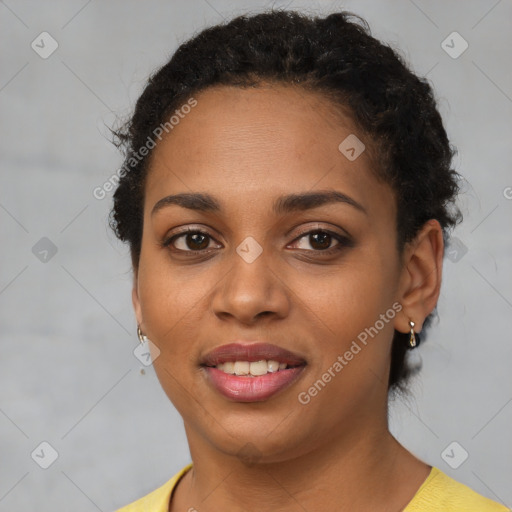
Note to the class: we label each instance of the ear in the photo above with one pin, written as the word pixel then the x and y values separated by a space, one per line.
pixel 420 279
pixel 136 301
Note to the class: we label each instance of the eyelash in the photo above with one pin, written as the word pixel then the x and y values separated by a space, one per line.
pixel 343 241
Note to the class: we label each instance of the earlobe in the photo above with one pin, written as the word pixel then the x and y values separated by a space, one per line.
pixel 420 282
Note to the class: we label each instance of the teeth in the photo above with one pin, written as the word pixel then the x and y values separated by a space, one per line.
pixel 241 368
pixel 273 366
pixel 254 369
pixel 228 367
pixel 258 368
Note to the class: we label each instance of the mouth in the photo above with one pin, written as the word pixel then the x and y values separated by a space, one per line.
pixel 254 372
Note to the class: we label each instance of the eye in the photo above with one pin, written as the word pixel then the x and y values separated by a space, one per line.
pixel 191 240
pixel 321 240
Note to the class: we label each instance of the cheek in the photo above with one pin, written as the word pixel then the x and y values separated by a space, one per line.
pixel 354 318
pixel 349 299
pixel 170 302
pixel 347 311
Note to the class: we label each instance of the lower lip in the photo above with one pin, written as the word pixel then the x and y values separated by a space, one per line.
pixel 251 389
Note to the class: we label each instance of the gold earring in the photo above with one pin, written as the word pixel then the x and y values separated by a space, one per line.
pixel 142 337
pixel 412 337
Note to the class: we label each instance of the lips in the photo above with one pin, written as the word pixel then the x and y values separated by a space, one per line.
pixel 251 372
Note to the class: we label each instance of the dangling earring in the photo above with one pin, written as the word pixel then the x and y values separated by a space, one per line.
pixel 142 337
pixel 412 337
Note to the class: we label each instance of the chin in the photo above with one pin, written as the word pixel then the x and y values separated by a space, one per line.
pixel 260 438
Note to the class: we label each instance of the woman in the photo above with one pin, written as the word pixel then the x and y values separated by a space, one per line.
pixel 286 194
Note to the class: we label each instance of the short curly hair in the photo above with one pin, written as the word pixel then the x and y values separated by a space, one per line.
pixel 335 56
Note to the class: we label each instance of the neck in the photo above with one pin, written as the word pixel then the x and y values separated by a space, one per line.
pixel 360 470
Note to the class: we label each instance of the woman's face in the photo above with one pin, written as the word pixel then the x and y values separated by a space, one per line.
pixel 255 276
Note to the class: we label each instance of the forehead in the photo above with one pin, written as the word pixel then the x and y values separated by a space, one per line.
pixel 243 144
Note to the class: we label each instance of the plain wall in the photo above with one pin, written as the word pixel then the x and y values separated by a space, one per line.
pixel 67 369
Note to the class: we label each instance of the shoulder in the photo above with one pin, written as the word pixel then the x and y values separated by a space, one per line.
pixel 443 493
pixel 157 500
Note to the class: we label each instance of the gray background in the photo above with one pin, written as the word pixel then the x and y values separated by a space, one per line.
pixel 68 374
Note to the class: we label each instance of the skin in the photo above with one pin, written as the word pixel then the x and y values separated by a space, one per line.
pixel 246 147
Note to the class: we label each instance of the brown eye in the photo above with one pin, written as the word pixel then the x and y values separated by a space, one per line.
pixel 196 241
pixel 189 241
pixel 320 240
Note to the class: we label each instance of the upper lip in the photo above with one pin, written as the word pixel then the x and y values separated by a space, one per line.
pixel 252 352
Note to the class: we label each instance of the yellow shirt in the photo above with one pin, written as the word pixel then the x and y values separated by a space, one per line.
pixel 438 493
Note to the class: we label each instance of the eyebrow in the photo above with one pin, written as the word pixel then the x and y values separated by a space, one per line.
pixel 203 202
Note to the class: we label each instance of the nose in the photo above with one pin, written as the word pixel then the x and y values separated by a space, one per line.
pixel 250 292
